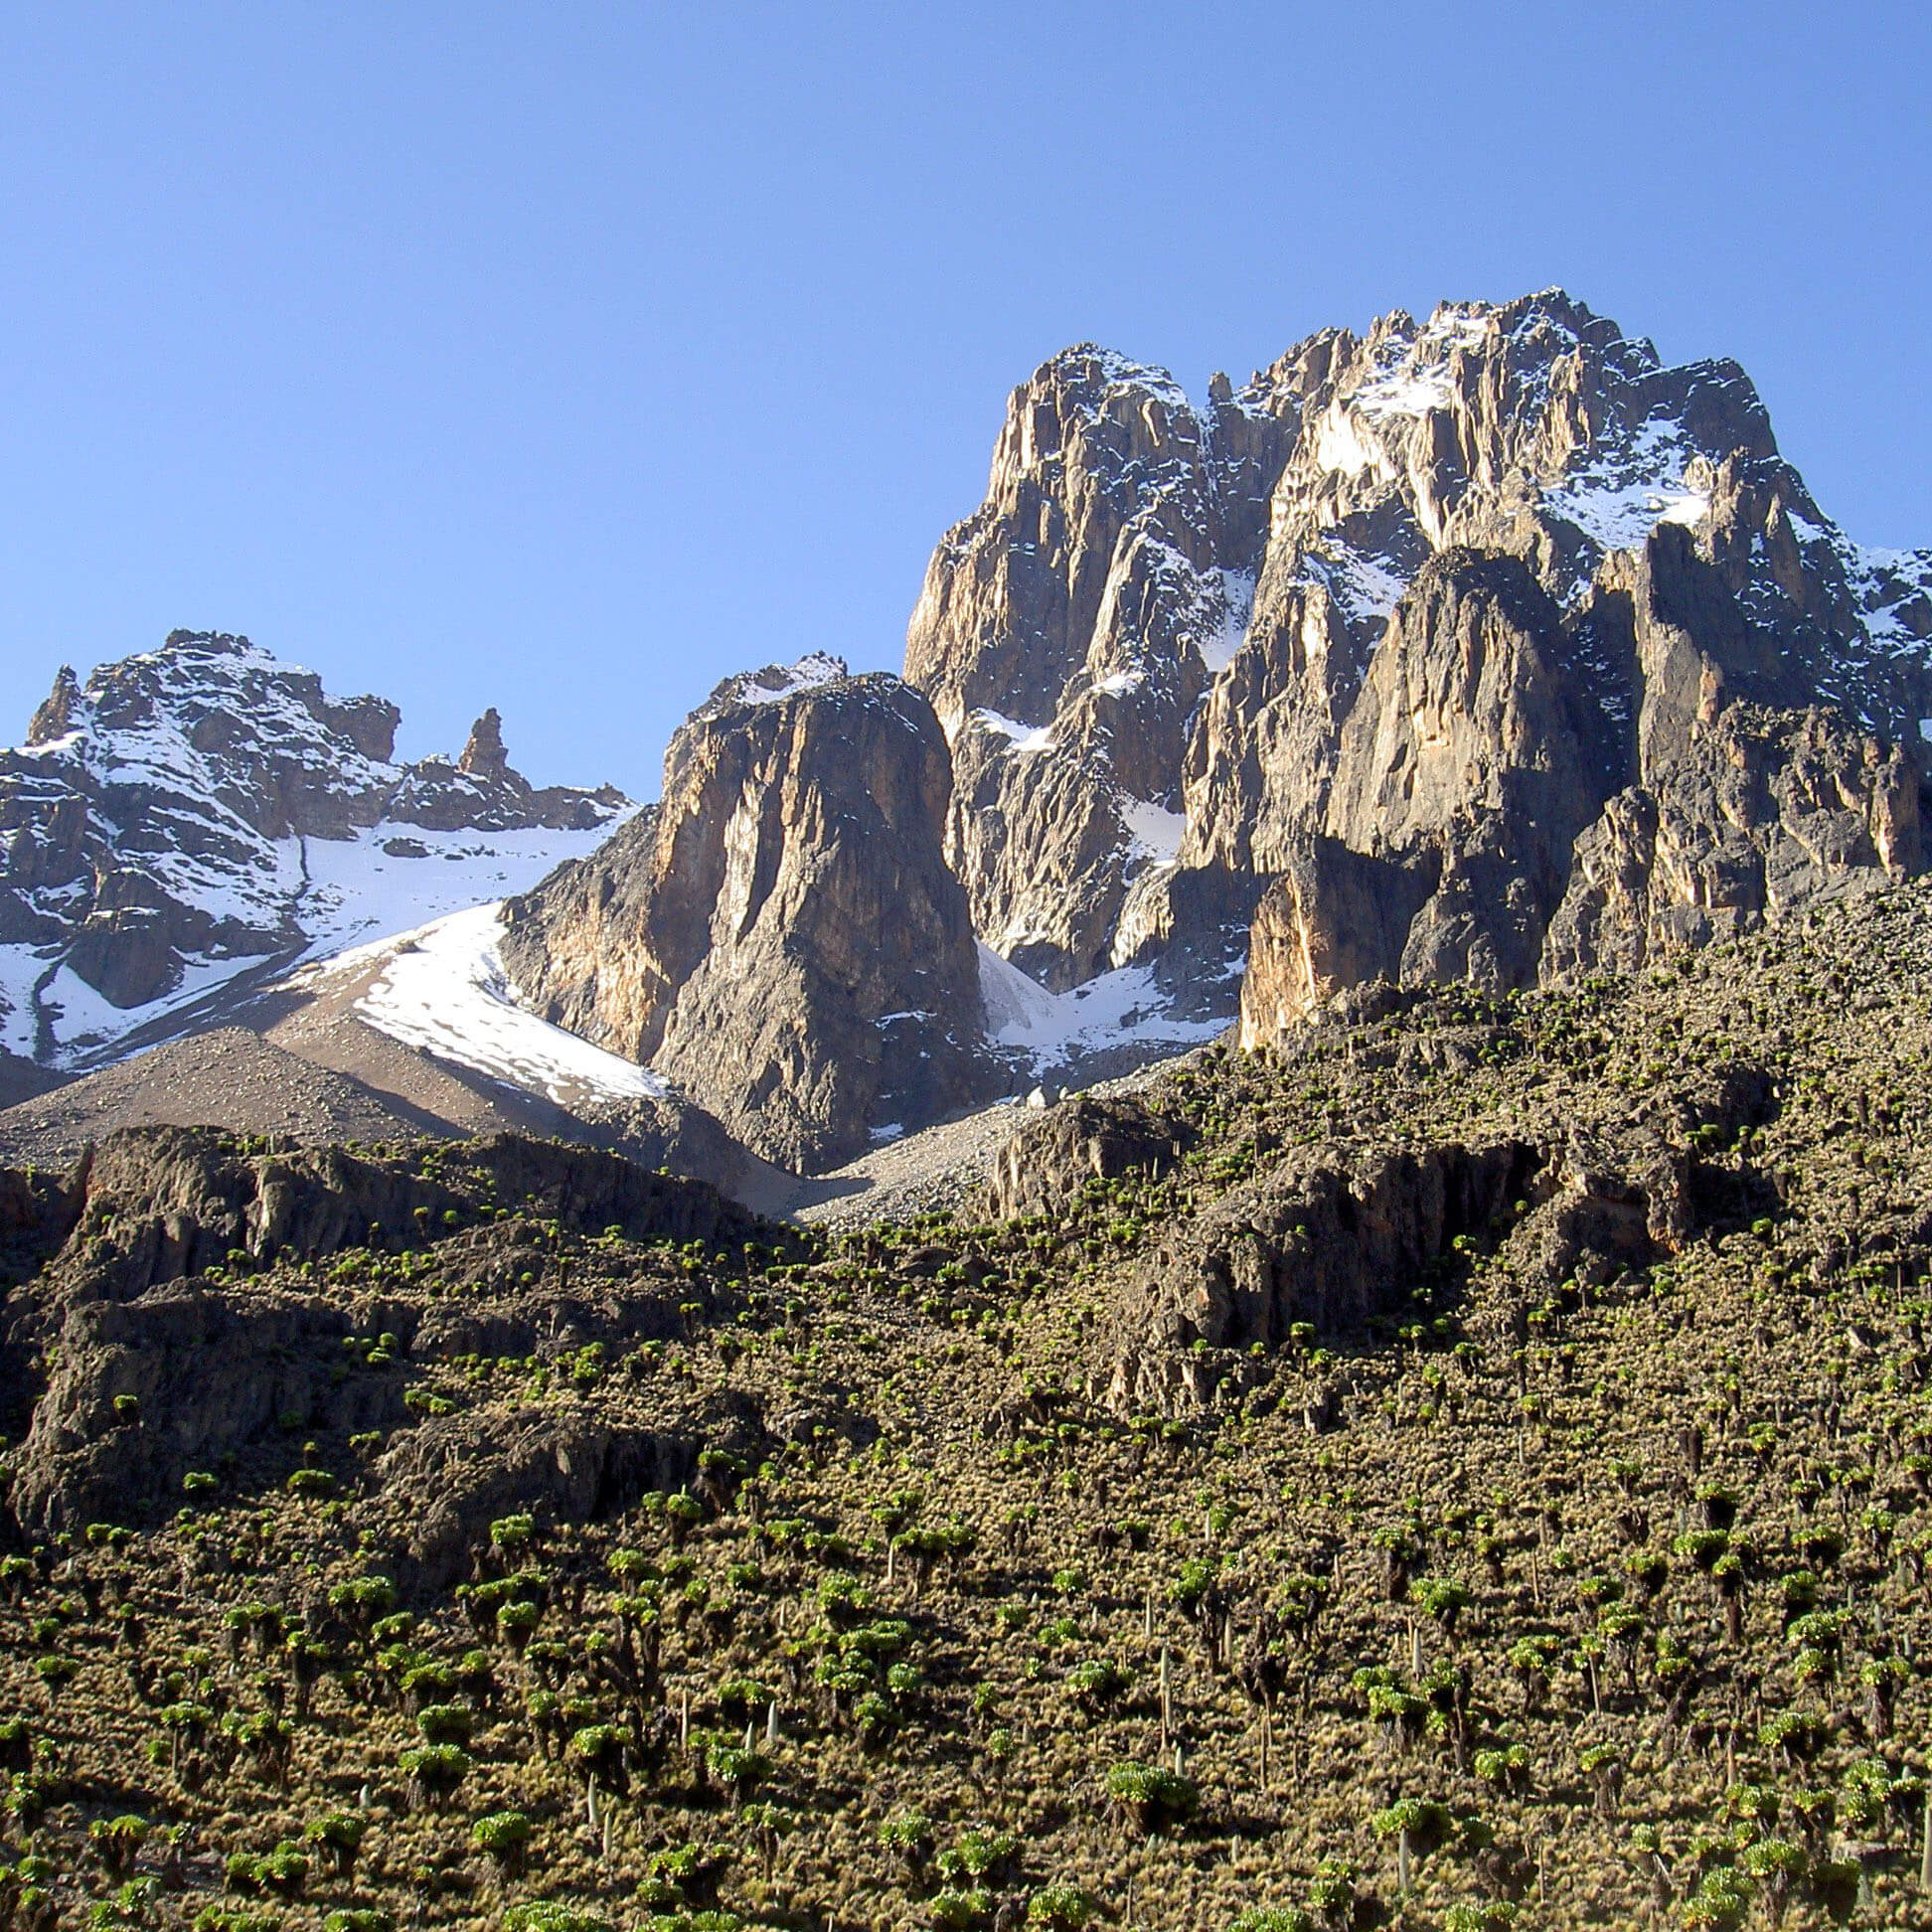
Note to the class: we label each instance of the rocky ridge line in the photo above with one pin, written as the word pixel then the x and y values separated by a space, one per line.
pixel 190 814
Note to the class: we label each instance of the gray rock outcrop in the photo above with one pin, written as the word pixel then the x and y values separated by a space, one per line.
pixel 781 937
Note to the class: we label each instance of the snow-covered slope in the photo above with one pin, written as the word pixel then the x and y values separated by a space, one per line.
pixel 199 818
pixel 443 990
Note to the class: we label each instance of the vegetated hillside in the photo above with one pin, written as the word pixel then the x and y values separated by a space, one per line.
pixel 1472 1460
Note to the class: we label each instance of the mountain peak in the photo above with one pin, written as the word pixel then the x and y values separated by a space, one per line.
pixel 251 772
pixel 776 683
pixel 210 643
pixel 54 718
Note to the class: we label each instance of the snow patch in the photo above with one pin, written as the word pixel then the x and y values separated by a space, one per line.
pixel 1418 379
pixel 1338 444
pixel 1406 393
pixel 1011 997
pixel 1622 497
pixel 20 968
pixel 84 1022
pixel 1048 1030
pixel 358 889
pixel 1365 588
pixel 1024 737
pixel 442 989
pixel 1122 372
pixel 1238 607
pixel 780 681
pixel 1154 831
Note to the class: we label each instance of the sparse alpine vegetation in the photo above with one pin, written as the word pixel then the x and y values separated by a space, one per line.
pixel 1468 1466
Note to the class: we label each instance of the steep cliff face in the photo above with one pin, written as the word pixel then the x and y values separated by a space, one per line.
pixel 1441 627
pixel 202 811
pixel 1066 635
pixel 781 937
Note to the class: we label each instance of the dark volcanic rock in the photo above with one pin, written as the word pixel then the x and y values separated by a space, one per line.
pixel 1337 1238
pixel 207 1372
pixel 1081 1140
pixel 161 1203
pixel 163 1355
pixel 1316 1242
pixel 451 1477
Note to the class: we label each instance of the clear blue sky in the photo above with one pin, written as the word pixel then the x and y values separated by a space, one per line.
pixel 567 358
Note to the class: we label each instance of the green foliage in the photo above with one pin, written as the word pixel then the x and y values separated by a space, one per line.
pixel 957 1909
pixel 1152 1796
pixel 502 1835
pixel 554 1915
pixel 1060 1908
pixel 1480 1915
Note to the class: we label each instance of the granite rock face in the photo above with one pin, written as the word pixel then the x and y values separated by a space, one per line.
pixel 1498 645
pixel 781 937
pixel 164 826
pixel 1066 635
pixel 1484 647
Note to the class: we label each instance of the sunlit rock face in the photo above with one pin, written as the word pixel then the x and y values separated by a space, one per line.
pixel 1544 634
pixel 781 937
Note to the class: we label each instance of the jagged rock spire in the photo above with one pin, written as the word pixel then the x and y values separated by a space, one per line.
pixel 55 717
pixel 484 756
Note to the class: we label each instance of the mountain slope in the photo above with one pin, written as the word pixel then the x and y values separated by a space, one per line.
pixel 197 818
pixel 1466 1466
pixel 1483 648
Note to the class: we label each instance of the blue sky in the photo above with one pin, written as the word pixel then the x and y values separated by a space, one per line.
pixel 567 359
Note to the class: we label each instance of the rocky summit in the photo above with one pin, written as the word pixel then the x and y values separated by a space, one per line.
pixel 1485 648
pixel 194 819
pixel 780 936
